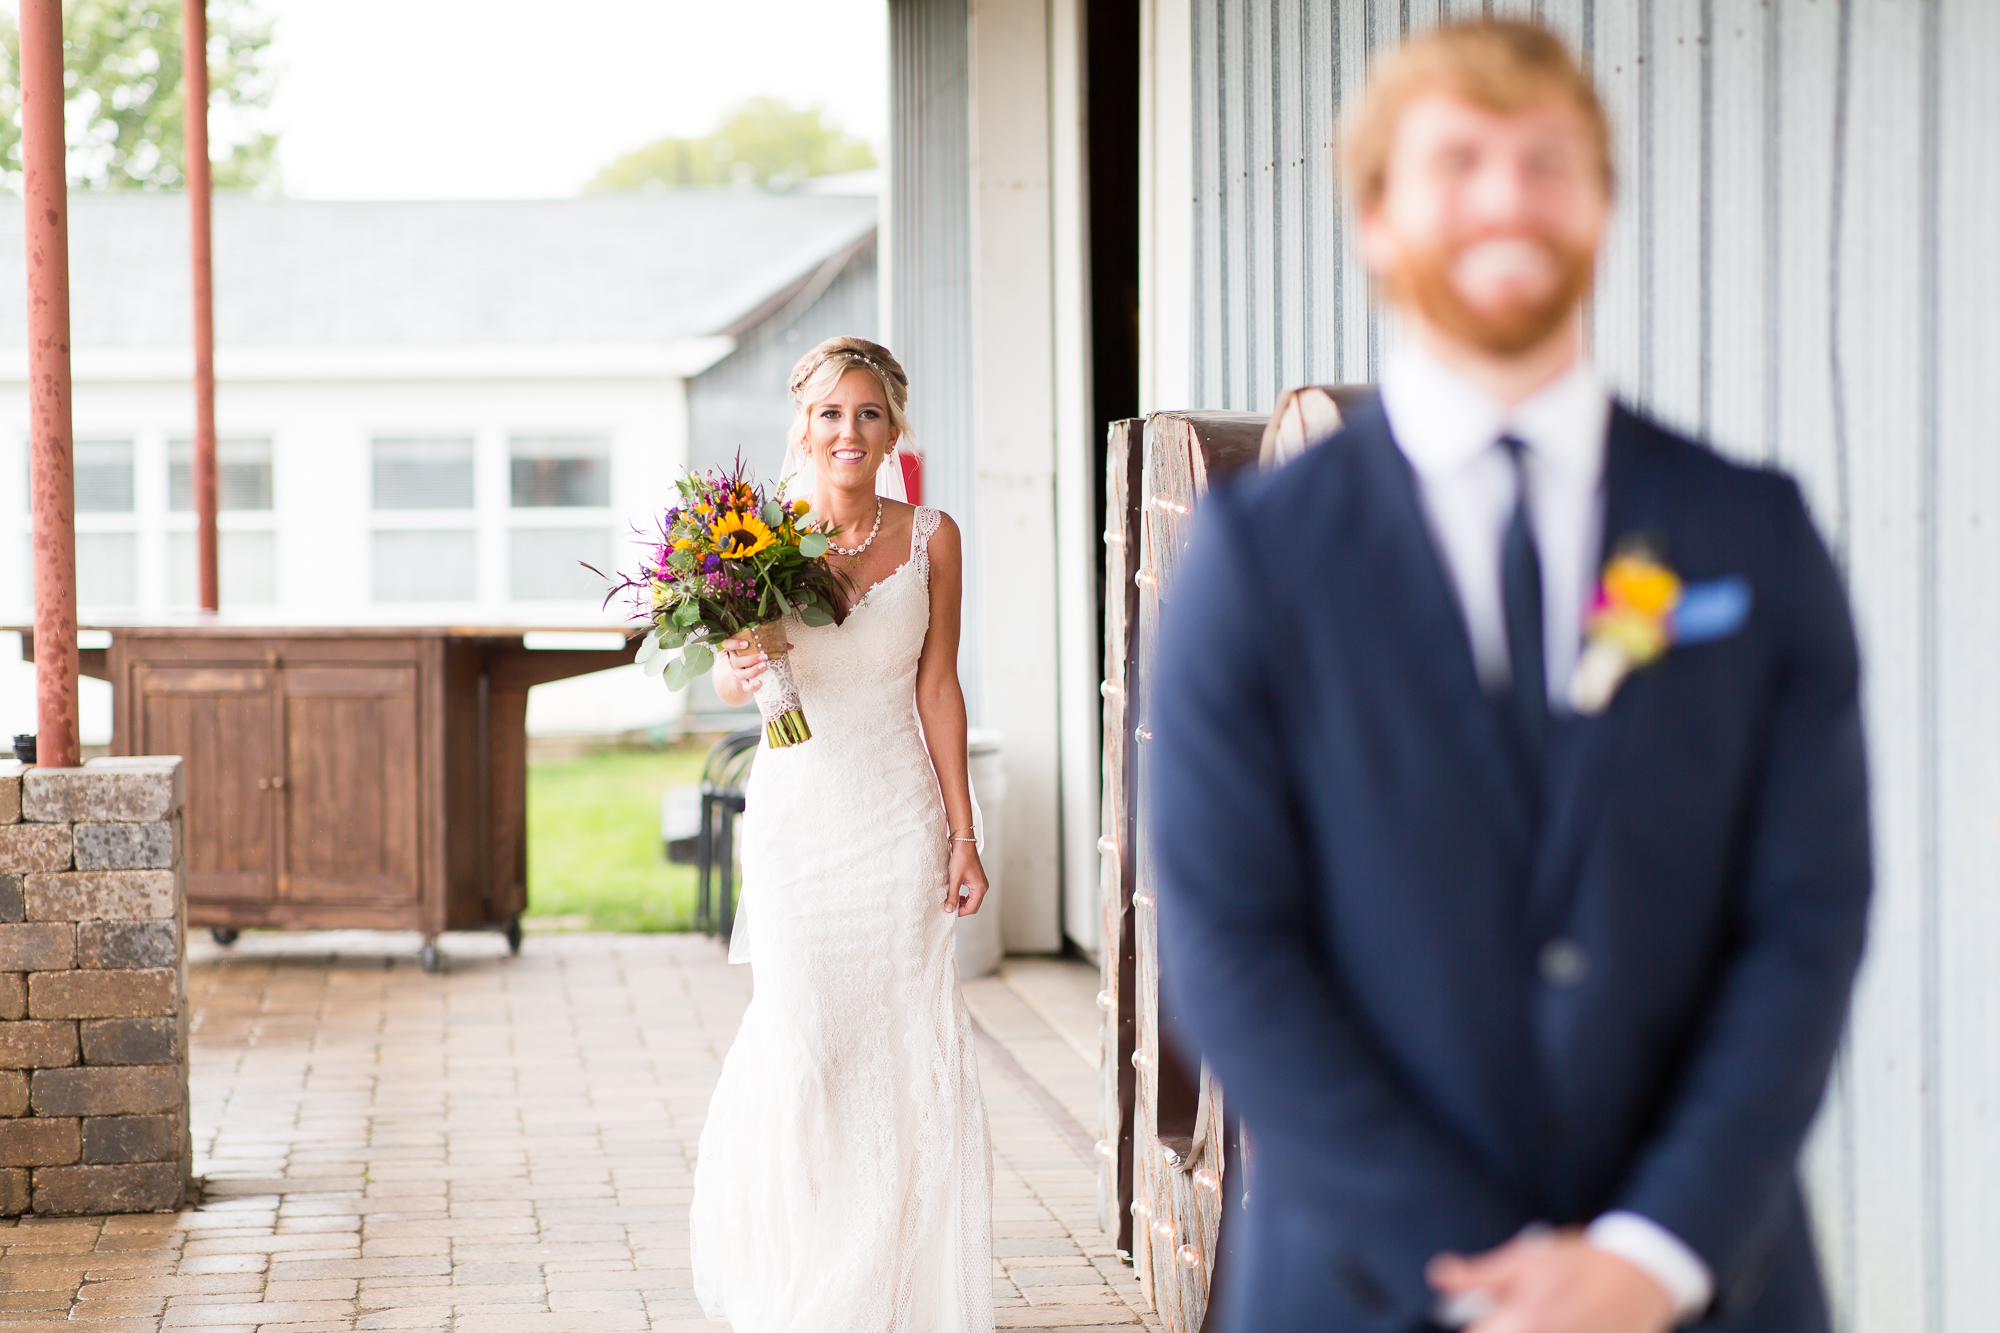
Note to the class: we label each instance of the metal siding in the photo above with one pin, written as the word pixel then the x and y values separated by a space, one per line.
pixel 1801 266
pixel 930 258
pixel 741 402
pixel 1965 281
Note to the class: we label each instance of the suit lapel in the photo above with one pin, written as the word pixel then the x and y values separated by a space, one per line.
pixel 1637 502
pixel 1428 615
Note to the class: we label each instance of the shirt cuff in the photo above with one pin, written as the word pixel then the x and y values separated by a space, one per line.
pixel 1660 1254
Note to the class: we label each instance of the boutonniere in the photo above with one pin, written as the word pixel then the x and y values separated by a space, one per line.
pixel 1640 610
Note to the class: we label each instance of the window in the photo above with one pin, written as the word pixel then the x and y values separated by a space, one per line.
pixel 103 477
pixel 107 565
pixel 242 475
pixel 542 564
pixel 246 564
pixel 423 473
pixel 420 565
pixel 560 471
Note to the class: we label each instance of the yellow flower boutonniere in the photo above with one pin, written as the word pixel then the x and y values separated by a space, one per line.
pixel 1641 609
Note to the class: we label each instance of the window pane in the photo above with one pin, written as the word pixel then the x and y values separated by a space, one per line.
pixel 419 566
pixel 107 563
pixel 568 471
pixel 103 476
pixel 242 475
pixel 246 562
pixel 423 473
pixel 542 564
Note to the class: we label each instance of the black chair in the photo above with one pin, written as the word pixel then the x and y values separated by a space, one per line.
pixel 722 779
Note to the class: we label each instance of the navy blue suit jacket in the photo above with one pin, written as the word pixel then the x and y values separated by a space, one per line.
pixel 1358 895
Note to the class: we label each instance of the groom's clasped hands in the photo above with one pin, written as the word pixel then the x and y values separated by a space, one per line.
pixel 1549 1282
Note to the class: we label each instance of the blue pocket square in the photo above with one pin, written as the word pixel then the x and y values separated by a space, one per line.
pixel 1711 610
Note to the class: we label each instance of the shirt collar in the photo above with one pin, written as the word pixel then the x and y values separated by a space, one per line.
pixel 1442 421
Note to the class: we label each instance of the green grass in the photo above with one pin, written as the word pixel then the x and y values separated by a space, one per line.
pixel 594 850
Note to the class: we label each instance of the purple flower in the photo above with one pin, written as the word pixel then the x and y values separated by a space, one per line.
pixel 711 562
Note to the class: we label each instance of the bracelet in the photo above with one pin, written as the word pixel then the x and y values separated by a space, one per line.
pixel 955 838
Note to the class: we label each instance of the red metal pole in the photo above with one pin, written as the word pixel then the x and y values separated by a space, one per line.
pixel 194 75
pixel 51 476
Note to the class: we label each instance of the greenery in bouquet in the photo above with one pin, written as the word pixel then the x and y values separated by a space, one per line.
pixel 728 559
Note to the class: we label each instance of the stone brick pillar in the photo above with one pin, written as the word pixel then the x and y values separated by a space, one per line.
pixel 93 989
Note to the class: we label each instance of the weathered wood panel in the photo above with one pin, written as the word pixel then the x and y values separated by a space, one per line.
pixel 1178 1118
pixel 1118 1086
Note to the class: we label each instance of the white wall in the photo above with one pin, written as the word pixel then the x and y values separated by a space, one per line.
pixel 321 512
pixel 1014 428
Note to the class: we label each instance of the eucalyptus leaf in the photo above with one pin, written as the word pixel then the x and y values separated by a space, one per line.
pixel 814 546
pixel 649 649
pixel 774 515
pixel 687 613
pixel 672 636
pixel 815 615
pixel 677 674
pixel 697 658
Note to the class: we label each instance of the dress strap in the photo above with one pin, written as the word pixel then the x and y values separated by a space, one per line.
pixel 921 528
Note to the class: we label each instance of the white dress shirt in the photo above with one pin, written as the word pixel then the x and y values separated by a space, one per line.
pixel 1450 431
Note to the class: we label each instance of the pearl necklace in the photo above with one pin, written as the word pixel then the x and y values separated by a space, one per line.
pixel 842 550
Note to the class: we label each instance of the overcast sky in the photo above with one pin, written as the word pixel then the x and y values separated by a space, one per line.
pixel 410 99
pixel 405 99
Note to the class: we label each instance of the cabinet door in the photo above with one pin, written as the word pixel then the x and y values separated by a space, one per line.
pixel 351 809
pixel 219 718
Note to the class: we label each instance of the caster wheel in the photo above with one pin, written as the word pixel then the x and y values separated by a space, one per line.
pixel 514 935
pixel 223 935
pixel 428 956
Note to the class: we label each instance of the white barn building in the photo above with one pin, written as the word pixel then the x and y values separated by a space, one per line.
pixel 426 412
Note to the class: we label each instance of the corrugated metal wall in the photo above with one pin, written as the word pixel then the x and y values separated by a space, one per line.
pixel 1804 269
pixel 930 265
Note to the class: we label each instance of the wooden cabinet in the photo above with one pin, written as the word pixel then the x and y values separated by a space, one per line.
pixel 362 777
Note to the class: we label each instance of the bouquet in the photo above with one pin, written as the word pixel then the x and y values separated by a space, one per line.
pixel 730 563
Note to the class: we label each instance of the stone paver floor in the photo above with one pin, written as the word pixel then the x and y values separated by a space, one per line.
pixel 507 1147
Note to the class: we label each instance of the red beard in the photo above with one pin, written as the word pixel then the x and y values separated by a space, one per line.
pixel 1424 280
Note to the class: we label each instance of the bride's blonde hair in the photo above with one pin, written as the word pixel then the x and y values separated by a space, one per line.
pixel 820 369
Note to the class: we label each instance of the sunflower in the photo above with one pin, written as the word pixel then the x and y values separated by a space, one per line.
pixel 740 536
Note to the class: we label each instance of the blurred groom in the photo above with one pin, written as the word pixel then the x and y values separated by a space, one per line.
pixel 1508 789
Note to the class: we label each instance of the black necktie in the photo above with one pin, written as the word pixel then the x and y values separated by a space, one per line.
pixel 1521 598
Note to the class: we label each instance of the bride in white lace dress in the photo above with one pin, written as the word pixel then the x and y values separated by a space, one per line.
pixel 844 1177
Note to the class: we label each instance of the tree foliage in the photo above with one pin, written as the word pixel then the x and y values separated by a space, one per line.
pixel 762 142
pixel 124 107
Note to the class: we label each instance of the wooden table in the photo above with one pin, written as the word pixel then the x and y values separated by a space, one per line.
pixel 359 776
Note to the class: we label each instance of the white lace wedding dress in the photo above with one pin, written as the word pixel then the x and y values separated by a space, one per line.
pixel 844 1180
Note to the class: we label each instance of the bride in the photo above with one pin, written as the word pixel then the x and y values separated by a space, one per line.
pixel 844 1178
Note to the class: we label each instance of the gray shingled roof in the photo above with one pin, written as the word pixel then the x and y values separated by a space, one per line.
pixel 601 268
